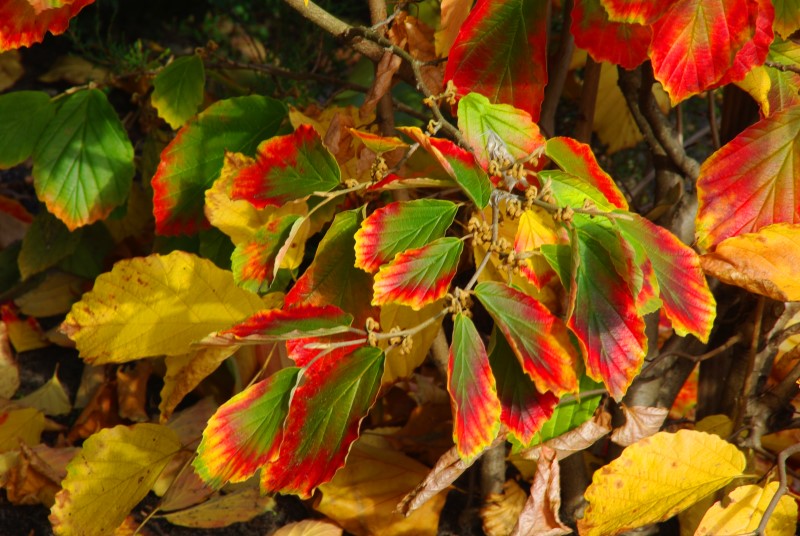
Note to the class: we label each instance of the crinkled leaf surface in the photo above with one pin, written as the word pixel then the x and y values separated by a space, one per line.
pixel 751 182
pixel 325 411
pixel 539 340
pixel 620 43
pixel 178 90
pixel 400 226
pixel 417 277
pixel 193 159
pixel 656 478
pixel 83 161
pixel 112 473
pixel 23 117
pixel 246 431
pixel 524 409
pixel 473 395
pixel 743 511
pixel 156 305
pixel 25 25
pixel 501 52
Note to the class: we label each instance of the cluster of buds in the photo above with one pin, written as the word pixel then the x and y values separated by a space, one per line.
pixel 449 95
pixel 378 170
pixel 512 262
pixel 481 231
pixel 564 214
pixel 514 208
pixel 372 327
pixel 404 342
pixel 459 302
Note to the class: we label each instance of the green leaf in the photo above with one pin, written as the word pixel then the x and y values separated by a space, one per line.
pixel 23 117
pixel 46 243
pixel 573 191
pixel 83 162
pixel 568 416
pixel 178 90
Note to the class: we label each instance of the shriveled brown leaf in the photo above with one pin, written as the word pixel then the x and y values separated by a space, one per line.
pixel 9 370
pixel 101 412
pixel 37 476
pixel 132 390
pixel 91 379
pixel 384 72
pixel 421 46
pixel 454 13
pixel 640 422
pixel 309 527
pixel 582 437
pixel 501 510
pixel 539 517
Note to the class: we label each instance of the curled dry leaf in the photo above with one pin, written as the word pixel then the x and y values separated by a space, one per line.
pixel 37 475
pixel 501 510
pixel 132 391
pixel 582 437
pixel 640 422
pixel 539 517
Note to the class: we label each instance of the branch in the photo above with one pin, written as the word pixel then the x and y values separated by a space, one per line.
pixel 782 488
pixel 783 66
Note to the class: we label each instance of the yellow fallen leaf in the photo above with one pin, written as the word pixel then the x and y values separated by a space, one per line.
pixel 20 424
pixel 243 504
pixel 10 68
pixel 156 305
pixel 764 262
pixel 309 527
pixel 656 478
pixel 53 296
pixel 113 472
pixel 743 511
pixel 24 335
pixel 501 510
pixel 51 398
pixel 401 365
pixel 9 370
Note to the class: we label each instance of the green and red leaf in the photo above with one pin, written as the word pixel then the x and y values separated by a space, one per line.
pixel 539 339
pixel 638 11
pixel 25 23
pixel 323 421
pixel 282 324
pixel 378 144
pixel 192 161
pixel 751 182
pixel 287 168
pixel 578 159
pixel 245 432
pixel 420 276
pixel 253 260
pixel 473 395
pixel 787 17
pixel 501 52
pixel 400 226
pixel 524 409
pixel 616 42
pixel 695 43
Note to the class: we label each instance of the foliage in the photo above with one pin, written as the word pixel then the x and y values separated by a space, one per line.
pixel 190 213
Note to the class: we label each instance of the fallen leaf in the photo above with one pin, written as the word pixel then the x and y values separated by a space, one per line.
pixel 9 370
pixel 101 412
pixel 24 335
pixel 132 391
pixel 540 514
pixel 11 68
pixel 640 422
pixel 73 69
pixel 20 425
pixel 309 527
pixel 53 296
pixel 37 476
pixel 501 511
pixel 240 505
pixel 51 398
pixel 743 511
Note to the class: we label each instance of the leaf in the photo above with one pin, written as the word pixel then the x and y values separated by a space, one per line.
pixel 540 513
pixel 378 144
pixel 51 398
pixel 743 510
pixel 53 296
pixel 293 323
pixel 524 410
pixel 501 52
pixel 382 475
pixel 641 12
pixel 501 510
pixel 323 421
pixel 576 440
pixel 237 506
pixel 400 226
pixel 787 17
pixel 20 425
pixel 417 277
pixel 193 159
pixel 401 365
pixel 11 69
pixel 287 168
pixel 640 422
pixel 478 119
pixel 695 42
pixel 178 90
pixel 24 116
pixel 755 50
pixel 253 261
pixel 764 262
pixel 687 300
pixel 83 161
pixel 750 182
pixel 578 159
pixel 615 42
pixel 571 190
pixel 774 90
pixel 535 228
pixel 25 25
pixel 656 478
pixel 309 527
pixel 123 317
pixel 47 242
pixel 9 370
pixel 539 340
pixel 112 473
pixel 459 163
pixel 473 395
pixel 569 415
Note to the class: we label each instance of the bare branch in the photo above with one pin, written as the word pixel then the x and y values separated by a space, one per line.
pixel 782 488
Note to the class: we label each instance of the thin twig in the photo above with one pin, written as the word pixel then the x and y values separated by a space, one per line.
pixel 783 487
pixel 696 358
pixel 783 66
pixel 712 120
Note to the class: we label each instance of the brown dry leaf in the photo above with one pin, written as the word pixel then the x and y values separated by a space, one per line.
pixel 421 45
pixel 53 296
pixel 640 422
pixel 764 262
pixel 400 365
pixel 20 425
pixel 363 494
pixel 539 517
pixel 51 398
pixel 582 437
pixel 242 504
pixel 501 510
pixel 454 13
pixel 11 69
pixel 428 432
pixel 384 72
pixel 185 490
pixel 9 370
pixel 75 70
pixel 101 412
pixel 132 390
pixel 91 378
pixel 38 474
pixel 309 527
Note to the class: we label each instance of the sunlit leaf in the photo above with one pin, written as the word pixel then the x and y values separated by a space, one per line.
pixel 743 511
pixel 112 473
pixel 574 191
pixel 25 25
pixel 755 50
pixel 568 415
pixel 773 89
pixel 535 228
pixel 639 11
pixel 402 364
pixel 281 324
pixel 539 340
pixel 83 161
pixel 400 226
pixel 309 527
pixel 192 161
pixel 751 181
pixel 378 144
pixel 615 42
pixel 125 314
pixel 20 424
pixel 656 478
pixel 417 277
pixel 178 90
pixel 640 422
pixel 324 416
pixel 253 260
pixel 23 117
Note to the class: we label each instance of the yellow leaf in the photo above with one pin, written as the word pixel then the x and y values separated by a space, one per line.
pixel 400 365
pixel 309 527
pixel 155 305
pixel 23 424
pixel 10 68
pixel 113 472
pixel 53 296
pixel 764 262
pixel 501 510
pixel 363 495
pixel 9 371
pixel 75 70
pixel 656 478
pixel 50 398
pixel 743 511
pixel 454 13
pixel 242 504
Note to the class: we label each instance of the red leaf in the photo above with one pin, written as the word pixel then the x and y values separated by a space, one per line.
pixel 751 182
pixel 26 23
pixel 324 417
pixel 539 339
pixel 615 42
pixel 253 260
pixel 287 168
pixel 501 52
pixel 754 51
pixel 476 409
pixel 299 321
pixel 638 11
pixel 695 43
